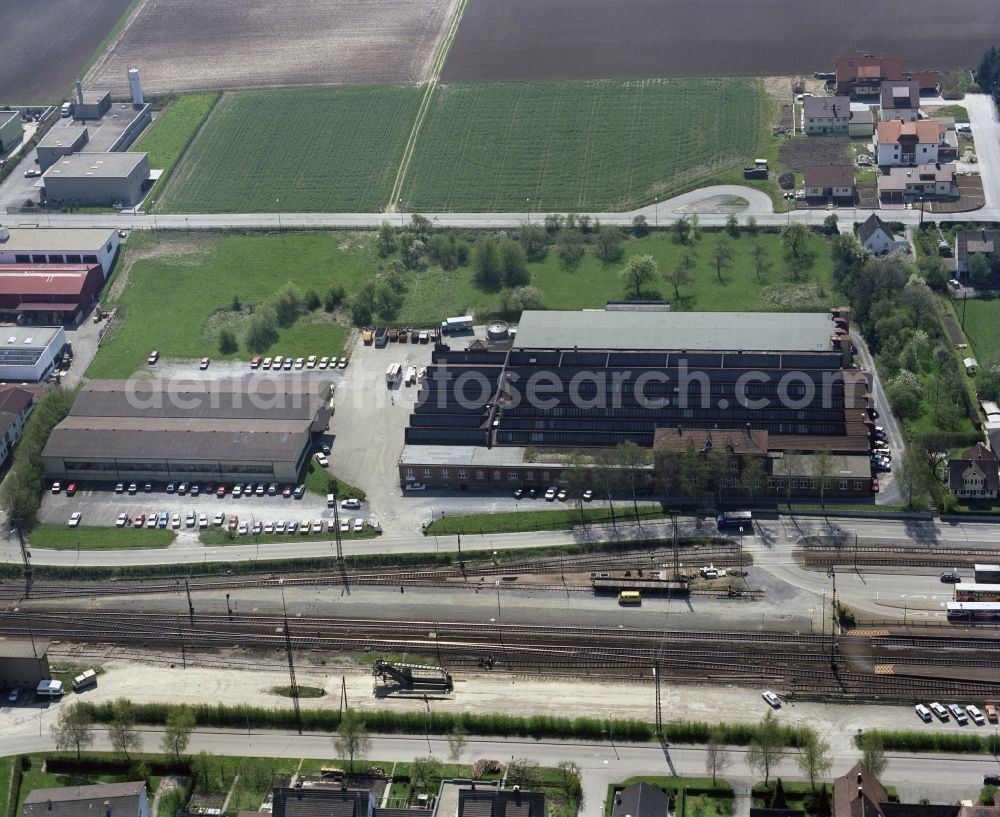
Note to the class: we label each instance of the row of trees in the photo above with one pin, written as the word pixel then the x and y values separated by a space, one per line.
pixel 21 495
pixel 988 73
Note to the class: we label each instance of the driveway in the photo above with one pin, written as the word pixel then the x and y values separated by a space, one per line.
pixel 986 131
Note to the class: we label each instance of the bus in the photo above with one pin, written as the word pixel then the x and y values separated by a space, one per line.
pixel 629 597
pixel 735 520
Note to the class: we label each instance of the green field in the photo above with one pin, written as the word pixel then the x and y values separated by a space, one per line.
pixel 312 149
pixel 520 521
pixel 193 289
pixel 62 537
pixel 982 326
pixel 569 145
pixel 168 137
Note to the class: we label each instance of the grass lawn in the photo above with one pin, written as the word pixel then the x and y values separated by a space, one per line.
pixel 513 522
pixel 313 149
pixel 959 112
pixel 6 778
pixel 35 778
pixel 62 537
pixel 177 303
pixel 982 326
pixel 192 288
pixel 317 481
pixel 579 145
pixel 172 132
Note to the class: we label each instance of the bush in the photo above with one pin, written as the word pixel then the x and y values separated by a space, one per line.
pixel 334 297
pixel 966 744
pixel 312 300
pixel 227 341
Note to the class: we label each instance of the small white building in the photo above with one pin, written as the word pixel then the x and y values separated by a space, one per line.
pixel 971 366
pixel 28 353
pixel 826 115
pixel 876 236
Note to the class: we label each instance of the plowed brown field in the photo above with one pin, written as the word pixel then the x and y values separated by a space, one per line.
pixel 590 39
pixel 187 45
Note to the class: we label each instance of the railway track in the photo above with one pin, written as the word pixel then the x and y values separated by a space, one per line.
pixel 635 560
pixel 798 664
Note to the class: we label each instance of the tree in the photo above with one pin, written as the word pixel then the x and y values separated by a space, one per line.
pixel 979 268
pixel 632 461
pixel 386 239
pixel 873 754
pixel 761 262
pixel 794 236
pixel 486 264
pixel 177 731
pixel 576 480
pixel 569 248
pixel 73 729
pixel 569 780
pixel 236 306
pixel 122 733
pixel 716 755
pixel 608 245
pixel 261 331
pixel 814 758
pixel 778 799
pixel 532 238
pixel 904 392
pixel 751 226
pixel 456 743
pixel 680 273
pixel 753 477
pixel 352 738
pixel 424 770
pixel 639 270
pixel 913 477
pixel 640 228
pixel 553 223
pixel 513 264
pixel 334 297
pixel 227 341
pixel 695 228
pixel 767 746
pixel 287 303
pixel 733 226
pixel 682 230
pixel 312 300
pixel 522 771
pixel 931 267
pixel 722 255
pixel 822 468
pixel 830 224
pixel 694 473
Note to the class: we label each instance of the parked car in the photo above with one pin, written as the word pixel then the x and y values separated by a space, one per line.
pixel 74 520
pixel 325 448
pixel 272 489
pixel 991 713
pixel 242 530
pixel 286 491
pixel 148 487
pixel 219 518
pixel 923 713
pixel 292 526
pixel 351 504
pixel 257 528
pixel 588 495
pixel 164 519
pixel 202 521
pixel 269 527
pixel 950 577
pixel 317 526
pixel 561 496
pixel 324 362
pixel 416 486
pixel 132 488
pixel 170 487
pixel 991 779
pixel 977 716
pixel 204 363
pixel 120 488
pixel 194 489
pixel 359 525
pixel 220 491
pixel 122 520
pixel 321 459
pixel 772 699
pixel 139 520
pixel 958 714
pixel 939 711
pixel 189 520
pixel 518 493
pixel 875 486
pixel 182 488
pixel 255 362
pixel 56 487
pixel 153 357
pixel 13 695
pixel 345 525
pixel 279 527
pixel 299 492
pixel 234 522
pixel 175 521
pixel 151 520
pixel 71 489
pixel 550 494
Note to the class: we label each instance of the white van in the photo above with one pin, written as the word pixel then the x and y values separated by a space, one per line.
pixel 976 715
pixel 86 679
pixel 331 500
pixel 923 713
pixel 66 109
pixel 940 711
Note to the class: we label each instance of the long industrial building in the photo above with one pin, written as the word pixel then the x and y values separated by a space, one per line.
pixel 48 293
pixel 57 245
pixel 220 430
pixel 774 384
pixel 99 179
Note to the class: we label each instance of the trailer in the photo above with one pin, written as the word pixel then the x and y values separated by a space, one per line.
pixel 367 335
pixel 454 326
pixel 381 337
pixel 48 688
pixel 84 680
pixel 412 677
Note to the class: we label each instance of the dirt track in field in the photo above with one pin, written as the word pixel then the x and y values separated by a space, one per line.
pixel 567 39
pixel 45 43
pixel 188 45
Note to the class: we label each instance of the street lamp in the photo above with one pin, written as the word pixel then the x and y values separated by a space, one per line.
pixel 528 201
pixel 277 206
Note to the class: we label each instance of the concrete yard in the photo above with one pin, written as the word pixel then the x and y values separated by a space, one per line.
pixel 188 45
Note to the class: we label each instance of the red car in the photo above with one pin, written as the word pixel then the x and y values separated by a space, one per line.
pixel 255 362
pixel 71 489
pixel 139 520
pixel 233 522
pixel 874 486
pixel 221 492
pixel 286 491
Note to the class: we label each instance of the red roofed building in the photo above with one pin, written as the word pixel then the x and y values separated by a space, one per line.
pixel 48 293
pixel 863 76
pixel 909 143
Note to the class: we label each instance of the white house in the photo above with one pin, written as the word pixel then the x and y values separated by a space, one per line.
pixel 15 408
pixel 975 475
pixel 826 115
pixel 831 182
pixel 876 236
pixel 908 143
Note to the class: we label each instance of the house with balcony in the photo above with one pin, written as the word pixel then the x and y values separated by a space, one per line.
pixel 924 182
pixel 908 144
pixel 974 475
pixel 900 100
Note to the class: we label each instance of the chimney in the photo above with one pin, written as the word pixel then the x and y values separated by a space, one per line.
pixel 79 92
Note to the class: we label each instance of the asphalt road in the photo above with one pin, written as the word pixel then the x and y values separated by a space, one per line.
pixel 986 131
pixel 941 778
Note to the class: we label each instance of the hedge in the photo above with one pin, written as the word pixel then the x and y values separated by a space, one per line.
pixel 23 763
pixel 966 744
pixel 384 722
pixel 89 765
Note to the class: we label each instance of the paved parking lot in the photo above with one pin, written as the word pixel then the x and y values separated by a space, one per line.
pixel 101 506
